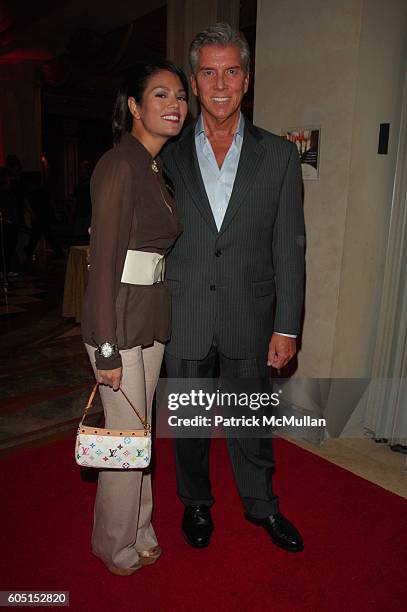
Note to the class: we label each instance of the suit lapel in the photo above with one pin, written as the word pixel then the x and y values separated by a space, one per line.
pixel 187 162
pixel 250 157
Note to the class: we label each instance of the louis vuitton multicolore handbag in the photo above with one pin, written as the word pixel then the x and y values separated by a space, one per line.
pixel 113 448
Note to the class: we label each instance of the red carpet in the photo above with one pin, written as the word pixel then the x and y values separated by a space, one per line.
pixel 355 534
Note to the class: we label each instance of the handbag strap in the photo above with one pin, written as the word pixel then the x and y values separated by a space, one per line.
pixel 144 423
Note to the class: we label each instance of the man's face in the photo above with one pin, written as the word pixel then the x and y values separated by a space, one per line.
pixel 219 82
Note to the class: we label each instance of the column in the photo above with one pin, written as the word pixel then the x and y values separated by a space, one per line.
pixel 20 114
pixel 185 18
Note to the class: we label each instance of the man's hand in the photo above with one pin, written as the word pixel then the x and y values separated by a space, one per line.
pixel 111 378
pixel 281 350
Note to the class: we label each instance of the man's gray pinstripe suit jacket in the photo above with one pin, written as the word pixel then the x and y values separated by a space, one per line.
pixel 246 280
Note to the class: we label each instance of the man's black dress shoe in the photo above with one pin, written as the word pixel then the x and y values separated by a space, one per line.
pixel 197 526
pixel 281 531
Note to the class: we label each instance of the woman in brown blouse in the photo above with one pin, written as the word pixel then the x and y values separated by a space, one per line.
pixel 126 312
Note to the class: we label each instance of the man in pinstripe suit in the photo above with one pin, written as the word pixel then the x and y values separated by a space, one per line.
pixel 236 273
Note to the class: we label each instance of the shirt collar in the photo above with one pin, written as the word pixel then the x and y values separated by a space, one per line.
pixel 136 148
pixel 199 127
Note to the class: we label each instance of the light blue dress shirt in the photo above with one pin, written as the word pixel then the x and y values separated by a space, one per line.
pixel 219 181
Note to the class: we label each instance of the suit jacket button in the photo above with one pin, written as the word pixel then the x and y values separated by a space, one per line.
pixel 212 287
pixel 218 253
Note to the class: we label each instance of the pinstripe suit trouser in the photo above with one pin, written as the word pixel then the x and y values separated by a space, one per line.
pixel 252 458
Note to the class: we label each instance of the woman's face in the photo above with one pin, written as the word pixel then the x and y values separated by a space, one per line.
pixel 163 108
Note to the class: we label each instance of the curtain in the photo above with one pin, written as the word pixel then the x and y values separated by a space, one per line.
pixel 386 407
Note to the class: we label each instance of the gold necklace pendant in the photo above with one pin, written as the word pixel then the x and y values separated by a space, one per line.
pixel 154 166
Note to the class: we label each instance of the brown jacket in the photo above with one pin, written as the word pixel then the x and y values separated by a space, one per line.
pixel 130 210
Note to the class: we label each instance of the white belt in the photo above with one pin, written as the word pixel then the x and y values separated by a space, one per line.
pixel 142 268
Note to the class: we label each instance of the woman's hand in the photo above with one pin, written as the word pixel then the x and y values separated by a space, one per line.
pixel 111 378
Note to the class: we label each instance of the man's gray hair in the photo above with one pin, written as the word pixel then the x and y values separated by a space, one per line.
pixel 219 34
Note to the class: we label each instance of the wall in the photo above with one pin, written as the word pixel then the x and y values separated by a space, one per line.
pixel 337 64
pixel 381 64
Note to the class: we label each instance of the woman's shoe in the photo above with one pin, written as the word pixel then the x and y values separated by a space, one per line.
pixel 121 571
pixel 148 557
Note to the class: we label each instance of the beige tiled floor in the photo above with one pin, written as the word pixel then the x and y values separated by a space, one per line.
pixel 362 456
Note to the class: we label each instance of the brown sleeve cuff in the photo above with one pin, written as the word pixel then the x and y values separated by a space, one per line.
pixel 108 363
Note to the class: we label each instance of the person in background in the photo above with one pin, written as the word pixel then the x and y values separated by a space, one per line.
pixel 10 222
pixel 38 198
pixel 18 188
pixel 125 323
pixel 15 168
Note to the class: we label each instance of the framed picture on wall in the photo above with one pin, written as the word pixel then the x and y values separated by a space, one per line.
pixel 308 143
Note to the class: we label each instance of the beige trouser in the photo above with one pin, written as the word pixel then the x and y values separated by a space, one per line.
pixel 122 516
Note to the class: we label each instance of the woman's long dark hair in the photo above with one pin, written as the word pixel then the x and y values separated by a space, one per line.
pixel 134 87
